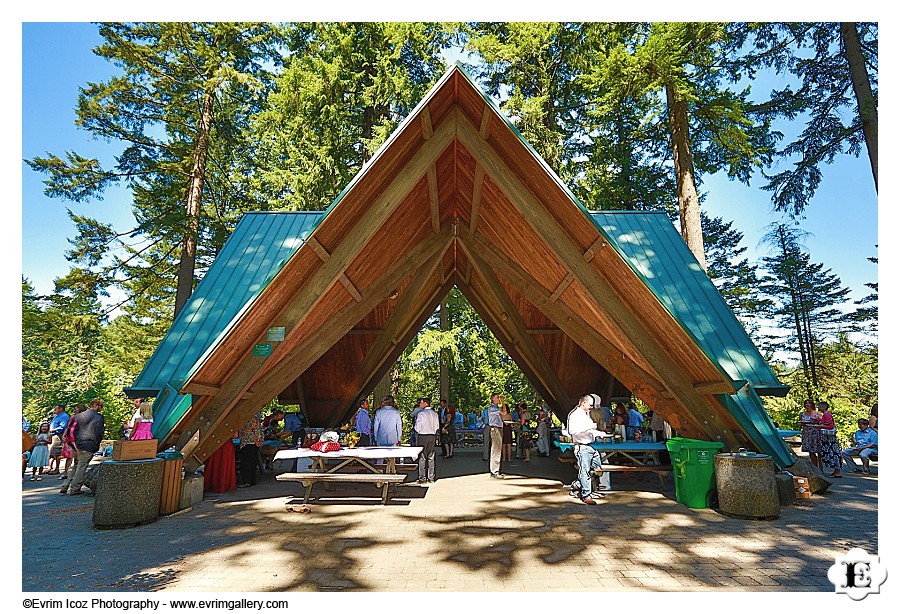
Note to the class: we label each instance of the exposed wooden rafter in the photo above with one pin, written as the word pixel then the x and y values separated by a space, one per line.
pixel 476 196
pixel 427 129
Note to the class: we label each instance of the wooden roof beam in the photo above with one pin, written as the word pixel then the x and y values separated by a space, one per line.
pixel 405 322
pixel 427 129
pixel 324 256
pixel 433 200
pixel 512 348
pixel 200 388
pixel 406 312
pixel 594 249
pixel 559 242
pixel 565 283
pixel 590 340
pixel 485 130
pixel 476 196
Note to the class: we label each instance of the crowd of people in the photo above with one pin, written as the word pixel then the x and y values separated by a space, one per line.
pixel 65 444
pixel 818 438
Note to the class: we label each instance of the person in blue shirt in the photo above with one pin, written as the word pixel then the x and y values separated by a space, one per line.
pixel 57 428
pixel 635 421
pixel 866 441
pixel 363 423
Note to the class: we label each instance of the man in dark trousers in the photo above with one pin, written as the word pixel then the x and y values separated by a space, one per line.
pixel 89 428
pixel 425 424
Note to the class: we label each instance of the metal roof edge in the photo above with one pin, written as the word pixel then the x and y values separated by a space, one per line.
pixel 183 313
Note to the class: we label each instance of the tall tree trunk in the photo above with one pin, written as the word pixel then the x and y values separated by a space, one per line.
pixel 628 200
pixel 444 374
pixel 194 200
pixel 865 100
pixel 688 201
pixel 794 287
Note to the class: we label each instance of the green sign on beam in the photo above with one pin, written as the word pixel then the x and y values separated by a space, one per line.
pixel 276 333
pixel 262 349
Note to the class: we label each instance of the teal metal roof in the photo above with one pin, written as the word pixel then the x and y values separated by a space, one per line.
pixel 258 248
pixel 659 256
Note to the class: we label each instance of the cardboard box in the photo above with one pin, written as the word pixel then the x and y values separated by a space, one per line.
pixel 124 449
pixel 801 487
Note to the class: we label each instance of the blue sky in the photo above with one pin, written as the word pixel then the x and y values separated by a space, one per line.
pixel 57 60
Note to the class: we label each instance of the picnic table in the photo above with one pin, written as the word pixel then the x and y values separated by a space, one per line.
pixel 378 462
pixel 643 454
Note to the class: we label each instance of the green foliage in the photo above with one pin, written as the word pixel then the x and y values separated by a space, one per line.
pixel 344 88
pixel 154 107
pixel 478 364
pixel 70 356
pixel 865 317
pixel 820 93
pixel 804 298
pixel 848 381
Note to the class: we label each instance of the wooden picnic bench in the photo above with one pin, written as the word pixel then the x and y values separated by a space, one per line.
pixel 379 464
pixel 308 479
pixel 643 456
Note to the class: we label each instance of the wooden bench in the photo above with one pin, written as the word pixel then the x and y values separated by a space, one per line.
pixel 660 470
pixel 382 480
pixel 329 463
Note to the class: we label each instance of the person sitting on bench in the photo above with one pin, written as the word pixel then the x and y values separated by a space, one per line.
pixel 866 441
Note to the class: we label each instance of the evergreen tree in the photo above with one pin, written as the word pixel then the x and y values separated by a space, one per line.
pixel 804 297
pixel 865 318
pixel 836 65
pixel 179 105
pixel 709 126
pixel 736 278
pixel 344 89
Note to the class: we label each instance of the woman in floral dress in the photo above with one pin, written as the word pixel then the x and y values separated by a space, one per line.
pixel 810 437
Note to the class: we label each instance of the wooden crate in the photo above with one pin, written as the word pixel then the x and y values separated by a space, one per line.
pixel 170 497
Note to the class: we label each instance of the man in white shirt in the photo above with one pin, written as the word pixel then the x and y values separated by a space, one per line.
pixel 425 424
pixel 583 431
pixel 495 425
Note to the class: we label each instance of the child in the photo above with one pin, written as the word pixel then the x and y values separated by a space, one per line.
pixel 143 422
pixel 40 454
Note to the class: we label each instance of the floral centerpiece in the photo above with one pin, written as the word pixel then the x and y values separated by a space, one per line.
pixel 351 439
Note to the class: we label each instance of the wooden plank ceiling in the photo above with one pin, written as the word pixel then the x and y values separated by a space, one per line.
pixel 455 197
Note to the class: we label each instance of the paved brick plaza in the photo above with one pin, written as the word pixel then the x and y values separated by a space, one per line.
pixel 466 532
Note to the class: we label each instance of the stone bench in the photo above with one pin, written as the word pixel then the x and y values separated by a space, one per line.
pixel 381 480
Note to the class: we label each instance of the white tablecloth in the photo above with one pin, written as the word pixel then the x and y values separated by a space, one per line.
pixel 368 453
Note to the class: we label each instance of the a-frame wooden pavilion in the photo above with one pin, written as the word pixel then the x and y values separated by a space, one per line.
pixel 316 307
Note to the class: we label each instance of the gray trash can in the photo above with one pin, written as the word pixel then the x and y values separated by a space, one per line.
pixel 128 492
pixel 746 486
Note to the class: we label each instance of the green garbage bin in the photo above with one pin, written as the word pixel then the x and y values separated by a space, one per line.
pixel 692 464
